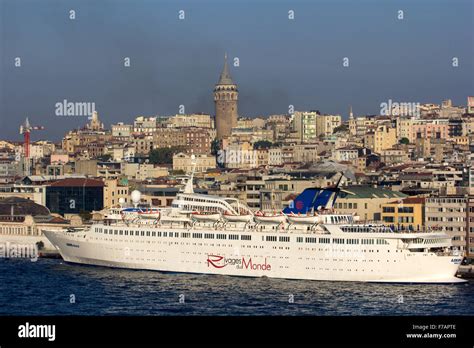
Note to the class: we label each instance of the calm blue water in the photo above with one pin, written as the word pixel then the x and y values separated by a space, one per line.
pixel 44 288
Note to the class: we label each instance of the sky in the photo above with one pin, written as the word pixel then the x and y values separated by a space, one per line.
pixel 177 62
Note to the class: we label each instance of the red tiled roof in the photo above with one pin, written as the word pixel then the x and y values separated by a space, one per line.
pixel 410 200
pixel 75 182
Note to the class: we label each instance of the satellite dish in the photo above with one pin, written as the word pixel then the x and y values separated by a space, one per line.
pixel 136 196
pixel 121 200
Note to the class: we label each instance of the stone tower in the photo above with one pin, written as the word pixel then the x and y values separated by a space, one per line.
pixel 226 96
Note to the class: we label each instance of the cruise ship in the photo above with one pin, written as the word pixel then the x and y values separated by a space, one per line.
pixel 308 240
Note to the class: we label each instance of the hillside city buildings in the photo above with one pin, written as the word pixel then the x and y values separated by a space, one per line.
pixel 411 171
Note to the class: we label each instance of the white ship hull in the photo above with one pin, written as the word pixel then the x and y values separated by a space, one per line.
pixel 265 254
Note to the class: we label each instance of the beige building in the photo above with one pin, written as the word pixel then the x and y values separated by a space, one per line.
pixel 275 156
pixel 403 127
pixel 251 135
pixel 113 191
pixel 35 193
pixel 304 125
pixel 360 125
pixel 262 157
pixel 191 120
pixel 186 162
pixel 366 202
pixel 191 139
pixel 306 153
pixel 325 124
pixel 145 125
pixel 25 227
pixel 448 214
pixel 143 171
pixel 122 130
pixel 143 144
pixel 470 228
pixel 393 156
pixel 240 155
pixel 250 123
pixel 381 138
pixel 86 167
pixel 350 154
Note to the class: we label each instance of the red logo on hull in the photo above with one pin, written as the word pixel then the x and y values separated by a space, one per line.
pixel 218 261
pixel 214 259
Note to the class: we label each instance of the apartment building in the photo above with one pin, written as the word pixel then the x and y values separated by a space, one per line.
pixel 448 214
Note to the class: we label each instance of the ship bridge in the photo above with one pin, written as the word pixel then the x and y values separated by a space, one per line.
pixel 193 202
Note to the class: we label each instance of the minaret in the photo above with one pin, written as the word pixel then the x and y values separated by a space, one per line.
pixel 226 96
pixel 351 115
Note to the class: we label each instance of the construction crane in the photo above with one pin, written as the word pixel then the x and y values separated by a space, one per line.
pixel 26 129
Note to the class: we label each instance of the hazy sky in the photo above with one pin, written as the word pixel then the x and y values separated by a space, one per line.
pixel 174 62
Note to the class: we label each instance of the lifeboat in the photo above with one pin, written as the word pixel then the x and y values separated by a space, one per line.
pixel 303 219
pixel 150 214
pixel 270 219
pixel 201 216
pixel 237 218
pixel 147 213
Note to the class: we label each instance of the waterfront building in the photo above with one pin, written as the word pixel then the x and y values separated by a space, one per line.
pixel 34 193
pixel 406 213
pixel 22 222
pixel 470 227
pixel 365 201
pixel 448 214
pixel 75 195
pixel 113 191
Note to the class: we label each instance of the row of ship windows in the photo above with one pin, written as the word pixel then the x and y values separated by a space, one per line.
pixel 364 241
pixel 173 234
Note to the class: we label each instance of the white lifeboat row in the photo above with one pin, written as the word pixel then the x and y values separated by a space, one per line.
pixel 259 217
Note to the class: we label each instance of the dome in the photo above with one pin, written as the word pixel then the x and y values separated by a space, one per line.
pixel 21 206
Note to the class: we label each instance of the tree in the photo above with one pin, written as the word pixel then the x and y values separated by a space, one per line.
pixel 341 128
pixel 177 172
pixel 262 144
pixel 104 158
pixel 85 215
pixel 215 147
pixel 163 155
pixel 404 141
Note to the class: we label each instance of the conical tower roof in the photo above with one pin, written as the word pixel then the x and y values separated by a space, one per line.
pixel 225 78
